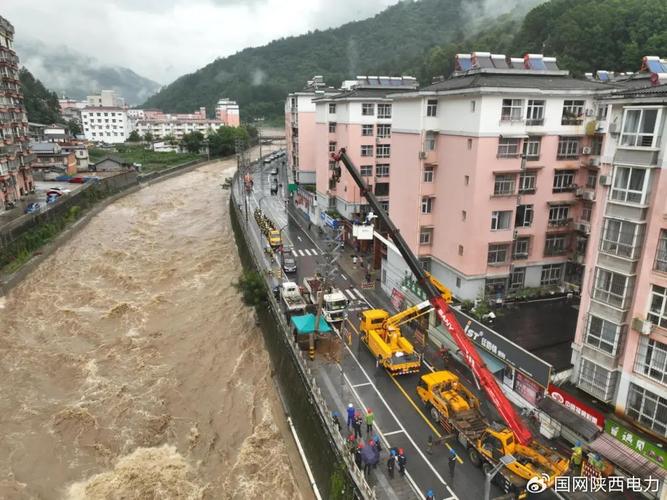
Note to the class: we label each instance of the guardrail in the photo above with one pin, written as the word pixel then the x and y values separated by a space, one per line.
pixel 308 378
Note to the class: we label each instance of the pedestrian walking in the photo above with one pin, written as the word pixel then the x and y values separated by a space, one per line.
pixel 577 457
pixel 357 455
pixel 443 353
pixel 357 425
pixel 391 464
pixel 376 453
pixel 350 415
pixel 336 422
pixel 402 462
pixel 429 495
pixel 429 445
pixel 378 362
pixel 370 418
pixel 351 444
pixel 310 224
pixel 451 463
pixel 368 277
pixel 376 439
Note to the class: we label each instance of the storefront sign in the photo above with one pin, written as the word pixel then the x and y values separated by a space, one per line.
pixel 363 232
pixel 636 443
pixel 411 284
pixel 576 406
pixel 397 299
pixel 528 389
pixel 328 220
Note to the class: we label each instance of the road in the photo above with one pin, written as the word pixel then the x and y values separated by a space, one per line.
pixel 398 412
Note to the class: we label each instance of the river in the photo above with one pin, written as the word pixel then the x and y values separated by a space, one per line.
pixel 130 367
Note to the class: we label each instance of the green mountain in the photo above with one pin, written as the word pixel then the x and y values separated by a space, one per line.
pixel 40 103
pixel 259 78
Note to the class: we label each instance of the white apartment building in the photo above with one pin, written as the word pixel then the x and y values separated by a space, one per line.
pixel 106 98
pixel 175 128
pixel 105 124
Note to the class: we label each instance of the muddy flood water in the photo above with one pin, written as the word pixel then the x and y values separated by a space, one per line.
pixel 129 367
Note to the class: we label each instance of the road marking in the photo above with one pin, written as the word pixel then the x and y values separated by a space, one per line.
pixel 361 385
pixel 359 294
pixel 314 251
pixel 393 432
pixel 350 294
pixel 307 252
pixel 344 277
pixel 298 237
pixel 301 253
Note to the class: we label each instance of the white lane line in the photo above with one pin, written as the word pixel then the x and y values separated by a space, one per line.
pixel 391 412
pixel 307 252
pixel 298 237
pixel 350 294
pixel 344 277
pixel 359 294
pixel 300 252
pixel 393 432
pixel 314 251
pixel 361 385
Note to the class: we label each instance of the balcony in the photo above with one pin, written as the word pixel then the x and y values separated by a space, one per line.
pixel 534 122
pixel 559 224
pixel 585 194
pixel 583 227
pixel 555 251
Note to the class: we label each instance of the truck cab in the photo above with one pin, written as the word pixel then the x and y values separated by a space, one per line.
pixel 395 352
pixel 275 239
pixel 335 306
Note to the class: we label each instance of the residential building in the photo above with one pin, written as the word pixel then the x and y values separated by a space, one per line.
pixel 162 125
pixel 80 154
pixel 15 155
pixel 71 109
pixel 106 99
pixel 51 161
pixel 228 112
pixel 497 169
pixel 111 164
pixel 300 122
pixel 620 350
pixel 136 114
pixel 105 124
pixel 359 119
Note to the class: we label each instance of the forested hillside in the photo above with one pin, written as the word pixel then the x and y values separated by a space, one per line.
pixel 41 104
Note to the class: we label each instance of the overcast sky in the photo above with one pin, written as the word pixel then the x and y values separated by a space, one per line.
pixel 164 39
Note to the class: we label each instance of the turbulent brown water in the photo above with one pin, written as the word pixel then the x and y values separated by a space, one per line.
pixel 129 368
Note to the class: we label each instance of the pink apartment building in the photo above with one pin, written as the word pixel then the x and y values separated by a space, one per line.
pixel 620 349
pixel 228 112
pixel 493 175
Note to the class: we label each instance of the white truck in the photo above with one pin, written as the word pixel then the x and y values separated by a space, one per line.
pixel 292 298
pixel 334 302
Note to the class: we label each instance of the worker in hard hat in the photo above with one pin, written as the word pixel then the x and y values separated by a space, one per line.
pixel 577 456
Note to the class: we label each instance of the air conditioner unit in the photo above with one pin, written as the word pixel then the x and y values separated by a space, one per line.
pixel 590 112
pixel 605 180
pixel 586 150
pixel 422 155
pixel 377 139
pixel 642 326
pixel 588 195
pixel 594 162
pixel 583 227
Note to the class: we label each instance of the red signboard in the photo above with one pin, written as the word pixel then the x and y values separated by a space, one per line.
pixel 397 299
pixel 573 404
pixel 527 388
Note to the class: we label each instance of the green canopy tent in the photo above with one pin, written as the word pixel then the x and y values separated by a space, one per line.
pixel 305 325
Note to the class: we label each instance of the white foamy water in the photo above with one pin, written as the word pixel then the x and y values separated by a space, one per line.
pixel 131 369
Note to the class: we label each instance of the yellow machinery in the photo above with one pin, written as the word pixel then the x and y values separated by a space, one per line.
pixel 456 408
pixel 275 239
pixel 382 334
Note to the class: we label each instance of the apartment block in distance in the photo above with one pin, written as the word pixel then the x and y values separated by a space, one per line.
pixel 300 124
pixel 15 155
pixel 494 175
pixel 108 124
pixel 162 125
pixel 227 112
pixel 620 349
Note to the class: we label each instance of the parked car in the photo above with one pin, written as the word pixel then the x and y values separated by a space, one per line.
pixel 51 198
pixel 32 208
pixel 289 261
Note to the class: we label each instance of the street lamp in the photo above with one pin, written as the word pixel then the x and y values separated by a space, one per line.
pixel 504 462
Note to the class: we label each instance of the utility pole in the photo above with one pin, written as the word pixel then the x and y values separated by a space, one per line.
pixel 241 166
pixel 258 120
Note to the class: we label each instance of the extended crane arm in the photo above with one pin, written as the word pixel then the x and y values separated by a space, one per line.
pixel 409 314
pixel 446 315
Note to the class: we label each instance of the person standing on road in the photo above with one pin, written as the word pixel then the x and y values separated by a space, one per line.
pixel 370 417
pixel 451 462
pixel 357 425
pixel 429 495
pixel 350 415
pixel 402 462
pixel 357 455
pixel 391 464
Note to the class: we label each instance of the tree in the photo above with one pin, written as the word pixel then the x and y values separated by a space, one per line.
pixel 74 127
pixel 41 104
pixel 134 137
pixel 170 139
pixel 148 137
pixel 192 142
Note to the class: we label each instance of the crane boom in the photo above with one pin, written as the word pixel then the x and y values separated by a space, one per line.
pixel 444 312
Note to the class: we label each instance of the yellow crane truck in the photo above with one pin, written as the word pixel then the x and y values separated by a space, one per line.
pixel 382 334
pixel 456 408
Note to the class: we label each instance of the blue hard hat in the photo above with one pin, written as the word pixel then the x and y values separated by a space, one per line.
pixel 335 414
pixel 452 452
pixel 429 493
pixel 376 438
pixel 393 453
pixel 578 443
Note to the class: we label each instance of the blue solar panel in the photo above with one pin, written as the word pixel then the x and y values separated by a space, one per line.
pixel 536 62
pixel 603 76
pixel 463 62
pixel 653 64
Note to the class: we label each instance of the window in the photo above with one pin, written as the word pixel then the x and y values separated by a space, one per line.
pixel 651 359
pixel 469 144
pixel 573 112
pixel 504 185
pixel 551 274
pixel 661 253
pixel 464 215
pixel 428 174
pixel 332 127
pixel 384 111
pixel 384 130
pixel 332 108
pixel 432 107
pixel 367 130
pixel 563 181
pixel 531 148
pixel 366 150
pixel 521 248
pixel 524 216
pixel 621 238
pixel 602 334
pixel 497 254
pixel 382 189
pixel 591 179
pixel 527 182
pixel 658 309
pixel 332 203
pixel 460 249
pixel 429 142
pixel 586 214
pixel 426 264
pixel 508 147
pixel 568 148
pixel 382 170
pixel 466 179
pixel 611 288
pixel 367 109
pixel 597 381
pixel 596 145
pixel 558 215
pixel 458 280
pixel 647 408
pixel 383 150
pixel 332 147
pixel 501 220
pixel 601 114
pixel 535 112
pixel 495 286
pixel 555 244
pixel 384 204
pixel 512 110
pixel 639 127
pixel 425 236
pixel 517 278
pixel 473 105
pixel 629 184
pixel 427 204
